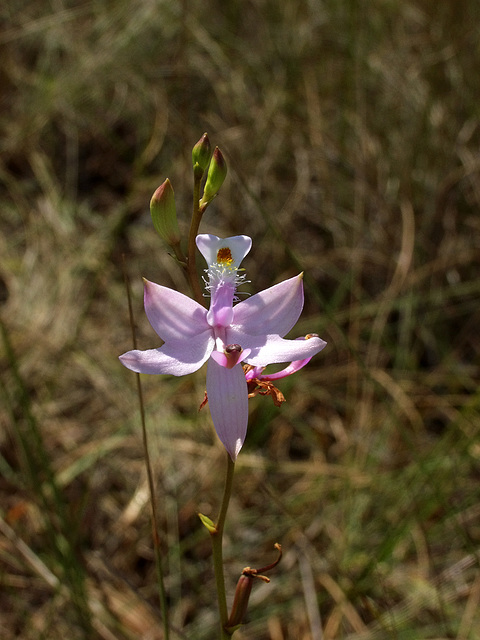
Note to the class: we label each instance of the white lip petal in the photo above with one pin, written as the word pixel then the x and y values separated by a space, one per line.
pixel 209 246
pixel 239 246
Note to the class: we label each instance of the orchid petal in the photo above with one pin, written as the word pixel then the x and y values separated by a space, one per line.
pixel 272 349
pixel 209 246
pixel 172 315
pixel 176 357
pixel 254 372
pixel 293 367
pixel 220 358
pixel 230 359
pixel 228 400
pixel 274 310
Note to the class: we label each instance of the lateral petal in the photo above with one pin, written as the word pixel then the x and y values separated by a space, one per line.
pixel 172 315
pixel 228 400
pixel 271 349
pixel 272 311
pixel 176 358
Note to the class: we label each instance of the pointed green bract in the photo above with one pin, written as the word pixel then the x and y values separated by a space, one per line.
pixel 207 523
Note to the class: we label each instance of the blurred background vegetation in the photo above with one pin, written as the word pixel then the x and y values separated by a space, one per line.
pixel 351 130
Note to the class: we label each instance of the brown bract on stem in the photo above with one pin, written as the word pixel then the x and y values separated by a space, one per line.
pixel 244 588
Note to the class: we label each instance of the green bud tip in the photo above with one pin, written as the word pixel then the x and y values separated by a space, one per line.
pixel 201 154
pixel 164 214
pixel 217 172
pixel 208 524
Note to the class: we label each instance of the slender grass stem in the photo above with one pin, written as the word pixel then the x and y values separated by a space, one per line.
pixel 153 501
pixel 217 545
pixel 151 486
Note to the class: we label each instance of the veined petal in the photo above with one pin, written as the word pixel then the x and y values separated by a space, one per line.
pixel 293 367
pixel 272 349
pixel 272 311
pixel 254 372
pixel 228 400
pixel 177 357
pixel 209 246
pixel 172 315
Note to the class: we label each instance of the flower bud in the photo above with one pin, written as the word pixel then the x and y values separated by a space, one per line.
pixel 217 172
pixel 201 154
pixel 164 214
pixel 208 524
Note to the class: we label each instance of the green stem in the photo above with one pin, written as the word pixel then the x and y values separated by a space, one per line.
pixel 194 225
pixel 217 546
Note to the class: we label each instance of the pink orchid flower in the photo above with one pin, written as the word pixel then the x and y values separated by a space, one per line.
pixel 226 335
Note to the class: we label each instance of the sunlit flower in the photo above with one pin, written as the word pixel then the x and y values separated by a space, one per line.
pixel 226 335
